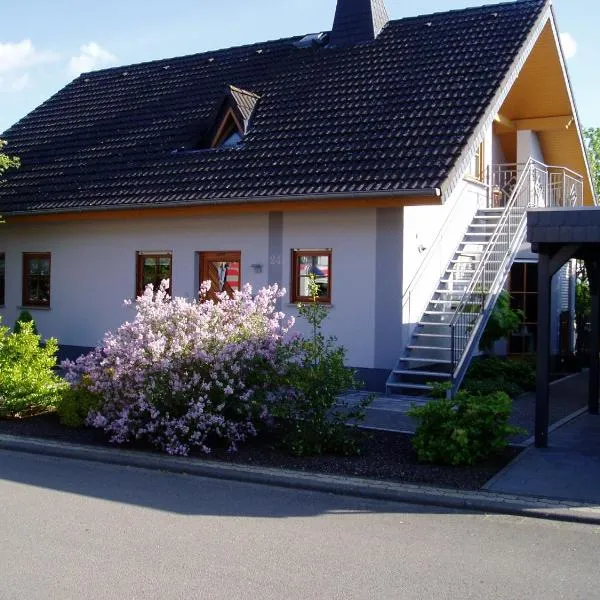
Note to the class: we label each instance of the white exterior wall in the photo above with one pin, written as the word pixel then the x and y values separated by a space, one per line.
pixel 351 236
pixel 427 253
pixel 422 225
pixel 528 146
pixel 498 157
pixel 93 268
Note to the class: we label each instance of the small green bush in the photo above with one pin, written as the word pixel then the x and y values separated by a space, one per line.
pixel 308 419
pixel 25 317
pixel 464 430
pixel 483 387
pixel 75 405
pixel 28 385
pixel 491 374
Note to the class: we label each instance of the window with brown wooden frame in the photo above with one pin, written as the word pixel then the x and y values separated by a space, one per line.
pixel 306 263
pixel 2 277
pixel 523 286
pixel 153 268
pixel 36 279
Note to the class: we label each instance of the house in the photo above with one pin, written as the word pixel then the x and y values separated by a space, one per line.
pixel 395 160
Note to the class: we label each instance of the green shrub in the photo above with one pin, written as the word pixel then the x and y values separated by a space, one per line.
pixel 496 374
pixel 308 419
pixel 28 384
pixel 24 317
pixel 483 387
pixel 75 405
pixel 464 430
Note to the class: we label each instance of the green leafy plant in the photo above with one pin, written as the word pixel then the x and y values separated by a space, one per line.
pixel 591 136
pixel 28 385
pixel 503 322
pixel 7 162
pixel 76 403
pixel 464 430
pixel 24 317
pixel 493 374
pixel 309 420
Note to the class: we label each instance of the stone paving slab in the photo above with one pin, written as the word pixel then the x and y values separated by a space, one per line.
pixel 567 396
pixel 484 501
pixel 568 469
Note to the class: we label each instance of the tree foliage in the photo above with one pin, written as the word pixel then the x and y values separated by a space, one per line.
pixel 6 161
pixel 592 140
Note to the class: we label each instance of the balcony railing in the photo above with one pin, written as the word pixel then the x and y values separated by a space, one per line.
pixel 552 186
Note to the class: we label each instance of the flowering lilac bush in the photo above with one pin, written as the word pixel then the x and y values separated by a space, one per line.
pixel 184 373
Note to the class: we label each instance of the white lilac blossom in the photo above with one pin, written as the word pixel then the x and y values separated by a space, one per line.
pixel 182 373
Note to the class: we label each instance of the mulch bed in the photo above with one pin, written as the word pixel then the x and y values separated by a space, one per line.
pixel 385 455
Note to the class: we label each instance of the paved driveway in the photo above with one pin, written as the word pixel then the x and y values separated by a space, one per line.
pixel 569 468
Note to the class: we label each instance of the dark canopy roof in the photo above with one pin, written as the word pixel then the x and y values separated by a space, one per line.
pixel 390 115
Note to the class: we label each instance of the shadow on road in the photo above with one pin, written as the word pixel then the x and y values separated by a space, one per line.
pixel 182 494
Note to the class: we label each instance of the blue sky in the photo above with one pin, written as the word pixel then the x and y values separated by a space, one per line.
pixel 43 44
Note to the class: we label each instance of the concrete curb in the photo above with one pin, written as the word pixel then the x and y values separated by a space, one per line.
pixel 481 501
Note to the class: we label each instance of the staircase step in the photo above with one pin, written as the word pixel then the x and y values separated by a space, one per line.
pixel 421 373
pixel 439 312
pixel 451 292
pixel 410 386
pixel 436 336
pixel 433 324
pixel 440 348
pixel 433 361
pixel 455 301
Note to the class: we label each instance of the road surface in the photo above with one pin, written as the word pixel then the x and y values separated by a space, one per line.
pixel 83 530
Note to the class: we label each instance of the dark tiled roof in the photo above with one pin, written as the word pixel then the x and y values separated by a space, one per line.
pixel 386 116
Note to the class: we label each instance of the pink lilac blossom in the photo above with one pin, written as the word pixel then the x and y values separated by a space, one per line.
pixel 182 373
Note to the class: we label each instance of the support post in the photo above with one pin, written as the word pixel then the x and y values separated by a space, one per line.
pixel 594 390
pixel 542 402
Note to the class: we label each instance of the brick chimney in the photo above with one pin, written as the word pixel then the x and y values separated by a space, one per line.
pixel 357 21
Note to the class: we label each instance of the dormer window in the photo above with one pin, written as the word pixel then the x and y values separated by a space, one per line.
pixel 232 118
pixel 229 133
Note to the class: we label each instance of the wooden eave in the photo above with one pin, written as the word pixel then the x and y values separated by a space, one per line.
pixel 158 212
pixel 541 100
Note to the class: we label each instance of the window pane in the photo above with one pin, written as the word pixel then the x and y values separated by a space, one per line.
pixel 517 277
pixel 517 302
pixel 531 277
pixel 36 280
pixel 43 267
pixel 316 266
pixel 154 269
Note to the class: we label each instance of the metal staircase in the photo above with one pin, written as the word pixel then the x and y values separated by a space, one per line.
pixel 449 330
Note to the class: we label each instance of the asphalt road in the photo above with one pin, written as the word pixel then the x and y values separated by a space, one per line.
pixel 74 529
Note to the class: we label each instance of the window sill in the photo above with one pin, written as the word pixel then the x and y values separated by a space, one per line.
pixel 295 304
pixel 46 308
